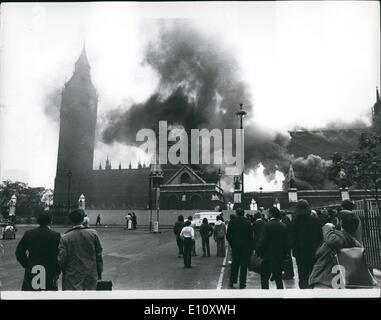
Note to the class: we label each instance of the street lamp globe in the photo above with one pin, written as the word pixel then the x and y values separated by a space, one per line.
pixel 241 113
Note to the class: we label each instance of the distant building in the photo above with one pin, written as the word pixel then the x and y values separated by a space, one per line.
pixel 326 142
pixel 376 113
pixel 183 187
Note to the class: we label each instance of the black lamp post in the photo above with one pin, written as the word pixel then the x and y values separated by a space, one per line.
pixel 150 202
pixel 241 114
pixel 69 175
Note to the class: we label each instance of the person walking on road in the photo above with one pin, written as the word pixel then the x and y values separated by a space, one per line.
pixel 179 225
pixel 258 225
pixel 187 234
pixel 128 221
pixel 306 237
pixel 219 235
pixel 98 220
pixel 39 247
pixel 80 255
pixel 134 220
pixel 190 219
pixel 272 247
pixel 240 238
pixel 288 266
pixel 206 231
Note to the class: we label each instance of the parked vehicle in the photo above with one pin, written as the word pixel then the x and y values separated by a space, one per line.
pixel 211 216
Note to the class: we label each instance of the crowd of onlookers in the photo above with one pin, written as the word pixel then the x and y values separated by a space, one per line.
pixel 272 238
pixel 276 239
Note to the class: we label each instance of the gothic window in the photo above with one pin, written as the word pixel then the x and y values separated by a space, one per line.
pixel 185 178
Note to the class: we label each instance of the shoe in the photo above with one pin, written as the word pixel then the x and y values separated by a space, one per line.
pixel 242 286
pixel 231 286
pixel 179 256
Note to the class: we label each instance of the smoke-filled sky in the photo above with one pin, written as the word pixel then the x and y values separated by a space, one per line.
pixel 293 64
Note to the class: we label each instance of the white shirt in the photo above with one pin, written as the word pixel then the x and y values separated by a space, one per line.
pixel 86 221
pixel 187 232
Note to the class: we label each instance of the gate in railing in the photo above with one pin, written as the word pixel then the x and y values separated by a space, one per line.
pixel 370 218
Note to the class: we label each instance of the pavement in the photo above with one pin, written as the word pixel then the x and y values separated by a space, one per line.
pixel 139 260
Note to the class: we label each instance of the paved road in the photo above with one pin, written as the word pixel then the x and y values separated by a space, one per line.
pixel 139 260
pixel 133 260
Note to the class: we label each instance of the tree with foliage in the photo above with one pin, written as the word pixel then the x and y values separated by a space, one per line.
pixel 362 167
pixel 28 198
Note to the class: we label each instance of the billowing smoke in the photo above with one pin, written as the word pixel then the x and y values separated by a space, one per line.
pixel 311 173
pixel 200 86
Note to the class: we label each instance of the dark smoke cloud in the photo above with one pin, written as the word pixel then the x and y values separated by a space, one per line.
pixel 311 173
pixel 200 86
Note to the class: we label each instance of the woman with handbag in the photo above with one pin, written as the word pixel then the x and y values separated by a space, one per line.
pixel 335 244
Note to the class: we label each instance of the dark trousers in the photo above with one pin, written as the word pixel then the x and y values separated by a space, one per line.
pixel 98 222
pixel 188 243
pixel 305 266
pixel 205 246
pixel 180 245
pixel 267 270
pixel 221 251
pixel 288 267
pixel 241 256
pixel 194 248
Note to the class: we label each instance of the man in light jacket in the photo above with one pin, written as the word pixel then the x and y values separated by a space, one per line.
pixel 80 255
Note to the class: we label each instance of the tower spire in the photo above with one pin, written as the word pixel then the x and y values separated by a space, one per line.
pixel 377 95
pixel 82 61
pixel 291 177
pixel 108 164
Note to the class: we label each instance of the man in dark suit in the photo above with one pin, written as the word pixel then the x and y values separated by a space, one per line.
pixel 37 252
pixel 306 237
pixel 240 238
pixel 258 225
pixel 272 247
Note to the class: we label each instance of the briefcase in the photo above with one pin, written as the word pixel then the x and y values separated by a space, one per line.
pixel 104 285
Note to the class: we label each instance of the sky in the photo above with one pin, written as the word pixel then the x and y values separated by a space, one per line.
pixel 307 64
